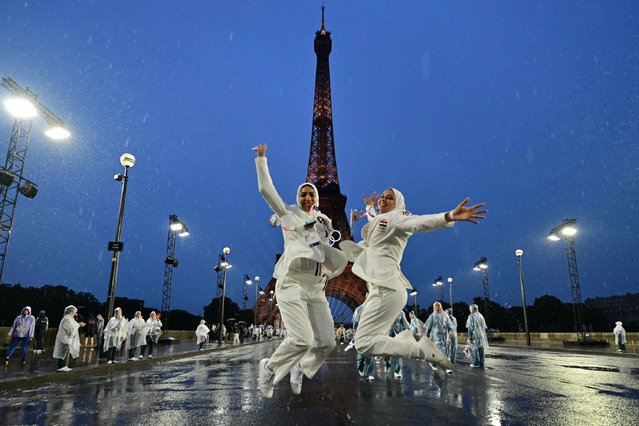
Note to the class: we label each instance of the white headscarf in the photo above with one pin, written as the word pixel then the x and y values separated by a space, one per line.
pixel 400 204
pixel 299 189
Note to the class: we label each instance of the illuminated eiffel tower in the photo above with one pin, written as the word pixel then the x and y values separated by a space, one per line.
pixel 322 172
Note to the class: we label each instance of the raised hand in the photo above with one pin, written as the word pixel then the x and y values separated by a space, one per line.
pixel 371 200
pixel 469 213
pixel 260 149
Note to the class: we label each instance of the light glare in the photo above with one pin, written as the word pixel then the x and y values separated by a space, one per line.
pixel 57 133
pixel 20 108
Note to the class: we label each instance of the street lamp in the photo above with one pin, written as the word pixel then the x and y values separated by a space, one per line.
pixel 176 227
pixel 439 282
pixel 568 231
pixel 116 246
pixel 221 268
pixel 482 266
pixel 450 289
pixel 414 293
pixel 519 253
pixel 24 106
pixel 257 286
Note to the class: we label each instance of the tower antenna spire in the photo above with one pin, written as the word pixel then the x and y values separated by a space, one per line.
pixel 322 29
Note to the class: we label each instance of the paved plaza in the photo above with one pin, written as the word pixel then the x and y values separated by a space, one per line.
pixel 518 386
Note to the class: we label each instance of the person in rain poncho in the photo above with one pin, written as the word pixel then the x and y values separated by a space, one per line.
pixel 41 327
pixel 153 333
pixel 377 260
pixel 99 330
pixel 136 335
pixel 476 325
pixel 452 337
pixel 416 325
pixel 114 334
pixel 202 334
pixel 340 334
pixel 620 336
pixel 67 340
pixel 301 272
pixel 395 363
pixel 21 332
pixel 364 364
pixel 438 327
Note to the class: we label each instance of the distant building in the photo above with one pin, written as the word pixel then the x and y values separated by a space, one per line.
pixel 618 308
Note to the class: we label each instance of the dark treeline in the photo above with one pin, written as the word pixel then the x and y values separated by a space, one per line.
pixel 54 298
pixel 546 314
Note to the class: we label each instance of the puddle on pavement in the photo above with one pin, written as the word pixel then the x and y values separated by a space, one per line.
pixel 592 368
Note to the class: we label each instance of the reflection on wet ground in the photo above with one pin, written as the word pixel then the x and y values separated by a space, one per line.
pixel 517 387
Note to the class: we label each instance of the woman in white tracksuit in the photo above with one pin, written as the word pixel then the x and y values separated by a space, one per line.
pixel 301 273
pixel 377 260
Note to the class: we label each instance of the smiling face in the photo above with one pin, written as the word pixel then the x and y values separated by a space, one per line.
pixel 386 202
pixel 308 197
pixel 437 307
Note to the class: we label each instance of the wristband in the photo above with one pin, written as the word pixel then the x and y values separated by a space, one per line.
pixel 451 214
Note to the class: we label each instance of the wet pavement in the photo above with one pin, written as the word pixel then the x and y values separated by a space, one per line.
pixel 518 386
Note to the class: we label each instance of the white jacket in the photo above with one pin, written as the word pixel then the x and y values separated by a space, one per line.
pixel 293 219
pixel 377 258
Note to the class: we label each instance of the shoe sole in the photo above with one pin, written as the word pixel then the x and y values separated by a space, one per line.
pixel 433 354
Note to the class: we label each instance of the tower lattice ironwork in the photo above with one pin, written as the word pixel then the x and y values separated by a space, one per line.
pixel 322 172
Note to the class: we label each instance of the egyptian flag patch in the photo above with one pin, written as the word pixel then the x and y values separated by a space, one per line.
pixel 382 225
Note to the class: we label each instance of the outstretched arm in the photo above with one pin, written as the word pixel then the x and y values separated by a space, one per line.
pixel 467 213
pixel 265 183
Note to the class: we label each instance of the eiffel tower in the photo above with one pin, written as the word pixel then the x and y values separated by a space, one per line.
pixel 322 172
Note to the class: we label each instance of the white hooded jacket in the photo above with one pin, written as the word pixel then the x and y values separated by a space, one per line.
pixel 378 256
pixel 293 218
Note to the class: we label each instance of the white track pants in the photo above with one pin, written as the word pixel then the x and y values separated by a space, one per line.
pixel 378 314
pixel 310 334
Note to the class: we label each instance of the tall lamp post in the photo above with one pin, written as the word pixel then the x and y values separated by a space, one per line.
pixel 568 231
pixel 257 285
pixel 116 246
pixel 24 106
pixel 414 294
pixel 450 289
pixel 482 266
pixel 176 227
pixel 221 268
pixel 519 253
pixel 247 282
pixel 439 282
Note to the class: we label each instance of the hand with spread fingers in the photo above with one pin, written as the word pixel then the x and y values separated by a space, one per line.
pixel 469 213
pixel 370 201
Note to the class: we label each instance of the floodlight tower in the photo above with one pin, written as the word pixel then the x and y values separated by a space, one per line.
pixel 176 227
pixel 24 106
pixel 482 266
pixel 568 231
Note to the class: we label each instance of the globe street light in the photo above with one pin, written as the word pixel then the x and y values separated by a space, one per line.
pixel 116 246
pixel 414 293
pixel 221 268
pixel 450 289
pixel 519 253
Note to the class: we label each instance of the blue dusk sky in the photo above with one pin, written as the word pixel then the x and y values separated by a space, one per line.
pixel 531 107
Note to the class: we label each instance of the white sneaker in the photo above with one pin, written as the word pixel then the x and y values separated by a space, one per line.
pixel 265 379
pixel 297 376
pixel 369 378
pixel 64 369
pixel 141 356
pixel 361 372
pixel 109 362
pixel 133 359
pixel 474 366
pixel 398 375
pixel 432 354
pixel 149 356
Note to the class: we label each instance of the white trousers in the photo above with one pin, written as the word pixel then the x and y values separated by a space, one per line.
pixel 378 314
pixel 310 336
